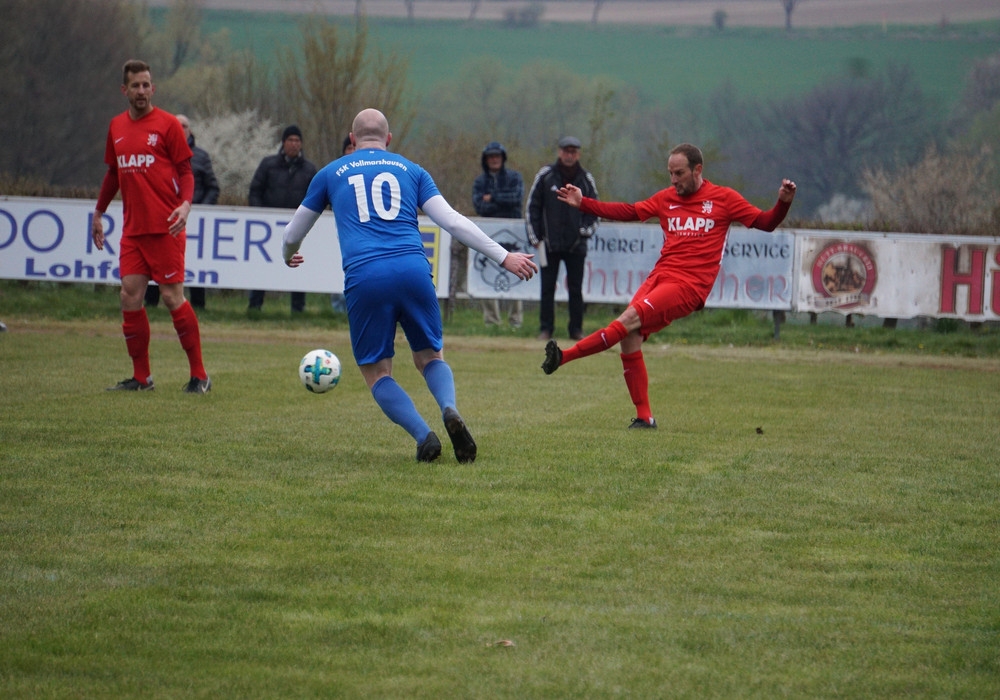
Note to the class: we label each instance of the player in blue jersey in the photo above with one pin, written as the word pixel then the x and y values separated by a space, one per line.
pixel 375 196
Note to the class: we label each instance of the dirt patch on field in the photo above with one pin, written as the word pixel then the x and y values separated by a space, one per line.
pixel 748 13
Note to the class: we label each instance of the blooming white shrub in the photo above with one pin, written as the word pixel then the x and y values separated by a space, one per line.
pixel 236 142
pixel 842 209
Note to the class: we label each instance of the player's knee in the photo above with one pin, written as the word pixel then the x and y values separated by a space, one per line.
pixel 630 319
pixel 172 295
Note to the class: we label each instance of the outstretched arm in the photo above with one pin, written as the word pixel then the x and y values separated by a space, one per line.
pixel 772 218
pixel 617 211
pixel 464 231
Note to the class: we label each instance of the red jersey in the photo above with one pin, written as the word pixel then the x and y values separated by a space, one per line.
pixel 150 160
pixel 694 228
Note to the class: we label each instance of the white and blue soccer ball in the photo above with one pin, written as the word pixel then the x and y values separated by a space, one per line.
pixel 319 371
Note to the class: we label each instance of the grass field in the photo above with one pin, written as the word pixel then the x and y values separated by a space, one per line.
pixel 807 522
pixel 667 64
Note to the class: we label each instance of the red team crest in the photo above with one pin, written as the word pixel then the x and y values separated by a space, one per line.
pixel 152 139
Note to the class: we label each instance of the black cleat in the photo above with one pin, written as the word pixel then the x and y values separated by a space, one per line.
pixel 553 357
pixel 198 386
pixel 429 449
pixel 640 424
pixel 461 438
pixel 131 384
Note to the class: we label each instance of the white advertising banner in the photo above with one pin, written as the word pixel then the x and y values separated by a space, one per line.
pixel 897 275
pixel 891 275
pixel 757 269
pixel 227 247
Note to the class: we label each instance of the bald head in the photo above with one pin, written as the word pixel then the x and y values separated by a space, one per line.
pixel 370 129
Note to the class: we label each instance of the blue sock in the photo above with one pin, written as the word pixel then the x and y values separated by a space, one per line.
pixel 441 382
pixel 398 406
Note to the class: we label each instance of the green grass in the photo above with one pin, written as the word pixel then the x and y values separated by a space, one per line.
pixel 666 64
pixel 264 542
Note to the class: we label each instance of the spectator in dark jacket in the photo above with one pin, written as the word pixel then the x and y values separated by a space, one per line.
pixel 206 191
pixel 561 234
pixel 499 193
pixel 281 182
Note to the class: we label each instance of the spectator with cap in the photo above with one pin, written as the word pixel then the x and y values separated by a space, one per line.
pixel 499 193
pixel 281 182
pixel 561 234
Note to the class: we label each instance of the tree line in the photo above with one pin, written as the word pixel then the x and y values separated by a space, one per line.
pixel 865 148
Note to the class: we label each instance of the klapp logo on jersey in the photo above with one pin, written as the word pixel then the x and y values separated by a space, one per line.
pixel 136 160
pixel 690 226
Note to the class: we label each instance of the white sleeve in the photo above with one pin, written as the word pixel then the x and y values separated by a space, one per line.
pixel 462 229
pixel 296 230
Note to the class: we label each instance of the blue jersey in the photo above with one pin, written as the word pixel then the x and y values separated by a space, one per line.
pixel 375 196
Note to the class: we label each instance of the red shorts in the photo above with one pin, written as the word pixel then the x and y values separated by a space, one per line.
pixel 159 256
pixel 661 301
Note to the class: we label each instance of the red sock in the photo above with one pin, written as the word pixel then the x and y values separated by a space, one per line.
pixel 596 342
pixel 135 327
pixel 186 325
pixel 637 382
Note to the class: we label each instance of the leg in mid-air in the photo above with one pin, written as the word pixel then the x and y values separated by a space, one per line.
pixel 441 383
pixel 596 342
pixel 636 377
pixel 654 306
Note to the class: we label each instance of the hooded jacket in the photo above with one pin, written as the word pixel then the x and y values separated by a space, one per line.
pixel 505 187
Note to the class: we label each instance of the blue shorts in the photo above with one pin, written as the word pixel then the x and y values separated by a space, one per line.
pixel 385 292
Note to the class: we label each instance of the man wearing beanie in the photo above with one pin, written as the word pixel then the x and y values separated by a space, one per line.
pixel 281 182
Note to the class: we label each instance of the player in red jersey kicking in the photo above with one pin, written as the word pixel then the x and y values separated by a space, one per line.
pixel 695 216
pixel 150 161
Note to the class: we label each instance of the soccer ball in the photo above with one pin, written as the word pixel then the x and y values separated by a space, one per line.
pixel 319 371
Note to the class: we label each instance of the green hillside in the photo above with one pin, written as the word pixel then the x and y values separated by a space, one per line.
pixel 665 63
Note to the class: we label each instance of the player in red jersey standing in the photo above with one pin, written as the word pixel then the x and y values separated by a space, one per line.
pixel 150 161
pixel 695 216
